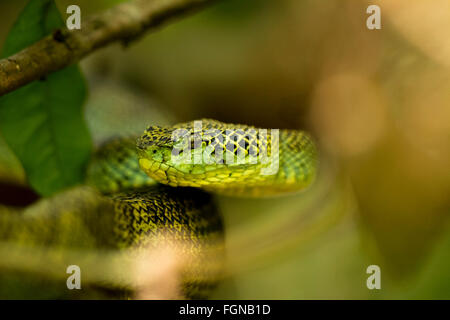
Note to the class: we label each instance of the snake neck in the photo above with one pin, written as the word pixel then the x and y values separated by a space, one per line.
pixel 293 170
pixel 115 167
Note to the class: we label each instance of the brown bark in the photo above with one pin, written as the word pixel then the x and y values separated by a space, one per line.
pixel 124 23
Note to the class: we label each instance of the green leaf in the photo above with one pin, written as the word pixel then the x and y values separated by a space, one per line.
pixel 43 122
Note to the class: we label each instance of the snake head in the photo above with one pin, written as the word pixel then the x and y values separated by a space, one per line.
pixel 185 155
pixel 154 145
pixel 162 152
pixel 161 156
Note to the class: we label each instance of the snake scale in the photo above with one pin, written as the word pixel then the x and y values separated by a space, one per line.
pixel 138 194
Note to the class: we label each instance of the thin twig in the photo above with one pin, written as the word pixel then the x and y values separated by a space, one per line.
pixel 124 23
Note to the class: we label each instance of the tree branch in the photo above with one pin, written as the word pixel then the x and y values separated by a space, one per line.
pixel 124 23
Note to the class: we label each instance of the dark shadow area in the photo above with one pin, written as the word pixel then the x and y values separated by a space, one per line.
pixel 17 196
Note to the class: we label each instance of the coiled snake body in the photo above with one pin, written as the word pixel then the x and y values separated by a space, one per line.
pixel 148 196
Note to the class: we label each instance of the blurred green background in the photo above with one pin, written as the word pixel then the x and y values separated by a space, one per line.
pixel 378 103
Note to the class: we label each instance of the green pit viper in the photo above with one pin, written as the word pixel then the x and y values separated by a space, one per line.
pixel 137 195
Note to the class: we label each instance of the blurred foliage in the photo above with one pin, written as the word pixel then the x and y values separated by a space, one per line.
pixel 43 122
pixel 377 102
